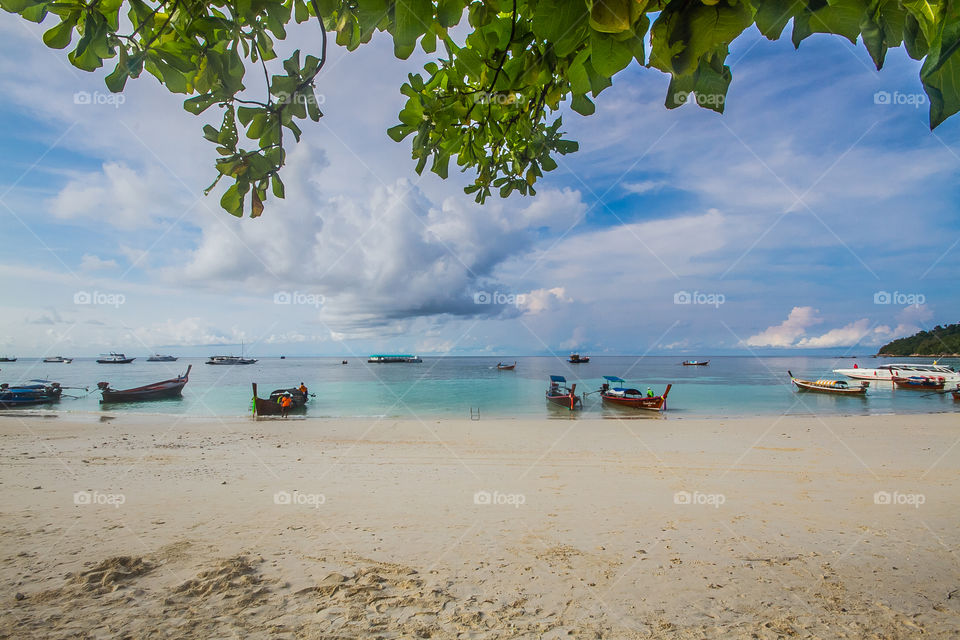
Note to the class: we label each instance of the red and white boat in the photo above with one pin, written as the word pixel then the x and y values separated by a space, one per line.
pixel 888 372
pixel 633 398
pixel 921 383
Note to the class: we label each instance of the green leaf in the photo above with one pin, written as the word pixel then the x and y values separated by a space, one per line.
pixel 940 72
pixel 199 104
pixel 841 17
pixel 59 36
pixel 611 16
pixel 277 186
pixel 608 55
pixel 232 200
pixel 449 12
pixel 561 22
pixel 773 15
pixel 583 105
pixel 411 18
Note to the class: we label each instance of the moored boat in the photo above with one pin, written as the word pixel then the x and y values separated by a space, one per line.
pixel 271 406
pixel 29 395
pixel 888 372
pixel 115 358
pixel 576 358
pixel 956 393
pixel 387 358
pixel 159 358
pixel 559 393
pixel 838 387
pixel 919 382
pixel 633 398
pixel 7 359
pixel 172 388
pixel 227 360
pixel 695 363
pixel 58 359
pixel 506 367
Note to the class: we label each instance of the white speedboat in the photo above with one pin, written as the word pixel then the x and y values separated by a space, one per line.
pixel 159 358
pixel 230 360
pixel 58 359
pixel 901 370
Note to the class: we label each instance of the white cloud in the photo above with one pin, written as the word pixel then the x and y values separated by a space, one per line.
pixel 787 332
pixel 540 300
pixel 644 186
pixel 847 335
pixel 90 262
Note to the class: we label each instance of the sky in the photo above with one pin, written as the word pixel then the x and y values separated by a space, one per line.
pixel 817 214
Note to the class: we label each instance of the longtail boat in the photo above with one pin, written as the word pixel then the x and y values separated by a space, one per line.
pixel 956 393
pixel 271 406
pixel 695 363
pixel 172 388
pixel 839 387
pixel 29 395
pixel 506 367
pixel 632 398
pixel 921 383
pixel 576 358
pixel 559 393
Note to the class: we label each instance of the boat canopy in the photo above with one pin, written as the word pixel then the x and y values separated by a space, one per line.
pixel 557 379
pixel 613 379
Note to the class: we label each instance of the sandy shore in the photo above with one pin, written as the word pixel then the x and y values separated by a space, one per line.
pixel 753 528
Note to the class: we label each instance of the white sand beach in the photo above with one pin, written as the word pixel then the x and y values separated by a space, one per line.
pixel 807 527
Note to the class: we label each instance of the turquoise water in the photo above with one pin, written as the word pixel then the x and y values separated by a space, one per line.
pixel 451 386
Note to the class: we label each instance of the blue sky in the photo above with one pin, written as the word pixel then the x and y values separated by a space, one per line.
pixel 783 221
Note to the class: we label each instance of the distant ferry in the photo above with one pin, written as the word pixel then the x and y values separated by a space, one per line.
pixel 230 360
pixel 394 358
pixel 901 370
pixel 159 358
pixel 58 359
pixel 115 358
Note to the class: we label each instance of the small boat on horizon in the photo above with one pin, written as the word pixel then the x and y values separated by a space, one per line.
pixel 576 358
pixel 919 382
pixel 159 358
pixel 172 388
pixel 839 387
pixel 695 363
pixel 633 398
pixel 230 360
pixel 115 358
pixel 381 358
pixel 7 359
pixel 559 393
pixel 29 395
pixel 58 359
pixel 506 367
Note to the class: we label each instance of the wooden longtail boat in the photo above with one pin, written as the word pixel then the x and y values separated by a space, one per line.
pixel 695 363
pixel 271 406
pixel 29 395
pixel 921 383
pixel 172 388
pixel 559 393
pixel 839 387
pixel 506 367
pixel 633 398
pixel 576 358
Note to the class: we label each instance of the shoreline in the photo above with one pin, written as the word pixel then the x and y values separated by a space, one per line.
pixel 762 527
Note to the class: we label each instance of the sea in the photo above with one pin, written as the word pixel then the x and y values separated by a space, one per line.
pixel 455 386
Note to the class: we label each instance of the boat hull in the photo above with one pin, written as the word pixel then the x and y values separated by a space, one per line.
pixel 30 396
pixel 117 361
pixel 823 386
pixel 649 403
pixel 164 390
pixel 569 401
pixel 270 407
pixel 919 385
pixel 888 374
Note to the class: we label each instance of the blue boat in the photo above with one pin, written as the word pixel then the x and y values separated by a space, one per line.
pixel 29 395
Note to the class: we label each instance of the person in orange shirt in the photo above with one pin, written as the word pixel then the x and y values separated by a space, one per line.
pixel 285 403
pixel 303 390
